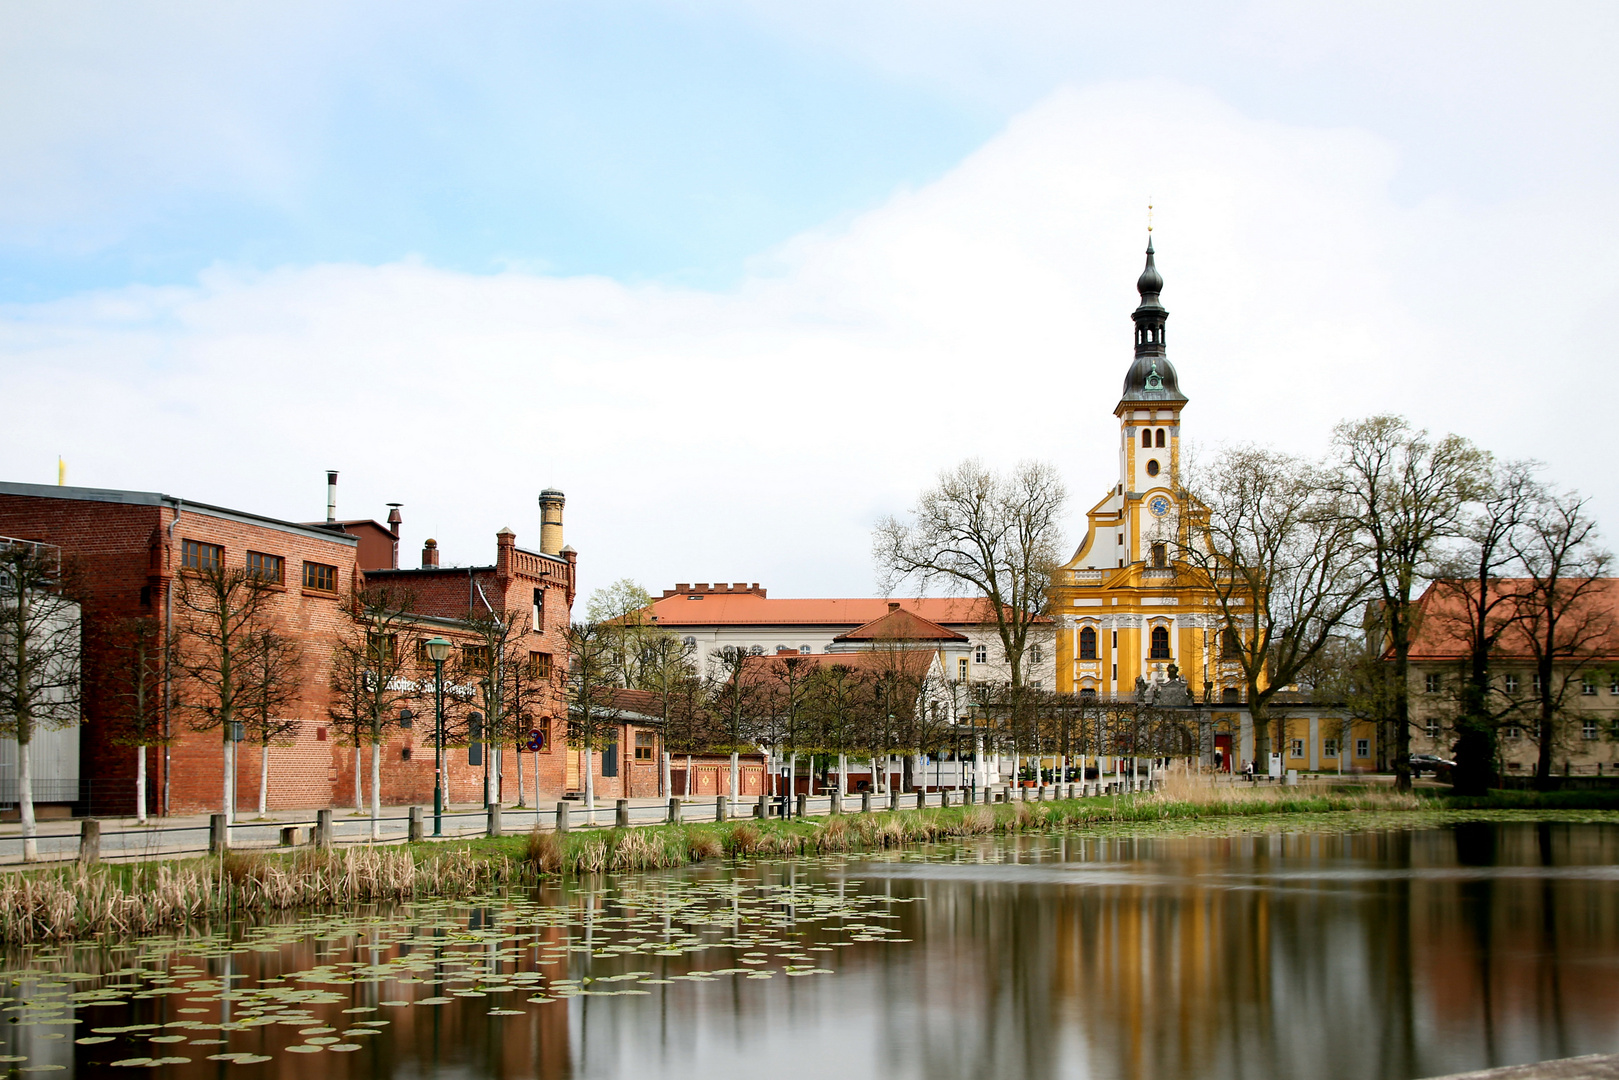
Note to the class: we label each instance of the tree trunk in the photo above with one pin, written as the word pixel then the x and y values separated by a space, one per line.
pixel 25 799
pixel 359 791
pixel 687 783
pixel 228 795
pixel 1261 725
pixel 735 777
pixel 522 798
pixel 140 785
pixel 1547 728
pixel 590 786
pixel 1402 712
pixel 264 778
pixel 376 789
pixel 664 783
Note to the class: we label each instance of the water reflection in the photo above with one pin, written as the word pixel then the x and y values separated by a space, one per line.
pixel 1355 955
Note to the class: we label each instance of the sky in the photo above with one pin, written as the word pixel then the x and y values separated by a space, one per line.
pixel 742 278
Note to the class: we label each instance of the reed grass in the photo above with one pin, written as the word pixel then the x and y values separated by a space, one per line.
pixel 121 901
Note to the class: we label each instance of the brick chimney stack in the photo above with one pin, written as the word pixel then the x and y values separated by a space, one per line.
pixel 394 521
pixel 430 553
pixel 551 501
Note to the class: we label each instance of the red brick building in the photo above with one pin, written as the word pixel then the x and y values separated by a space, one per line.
pixel 131 547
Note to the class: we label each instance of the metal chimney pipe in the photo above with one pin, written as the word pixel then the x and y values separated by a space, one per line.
pixel 331 496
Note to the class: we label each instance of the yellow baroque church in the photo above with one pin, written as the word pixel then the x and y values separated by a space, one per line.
pixel 1122 609
pixel 1127 616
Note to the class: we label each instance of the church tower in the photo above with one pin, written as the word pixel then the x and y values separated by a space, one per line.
pixel 1123 610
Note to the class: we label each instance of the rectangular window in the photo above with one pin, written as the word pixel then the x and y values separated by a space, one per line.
pixel 539 665
pixel 474 737
pixel 1087 694
pixel 1329 748
pixel 1537 682
pixel 610 759
pixel 1513 731
pixel 1037 685
pixel 1588 687
pixel 981 654
pixel 1230 695
pixel 961 669
pixel 1588 729
pixel 267 568
pixel 1430 728
pixel 379 648
pixel 1363 748
pixel 320 577
pixel 1296 748
pixel 1613 685
pixel 196 555
pixel 1230 644
pixel 475 657
pixel 1433 683
pixel 538 612
pixel 1510 684
pixel 645 743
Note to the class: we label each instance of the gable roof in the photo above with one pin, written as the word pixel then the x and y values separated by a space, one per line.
pixel 1442 633
pixel 898 626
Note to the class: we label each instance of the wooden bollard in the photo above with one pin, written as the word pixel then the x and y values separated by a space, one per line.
pixel 416 828
pixel 323 828
pixel 836 804
pixel 803 804
pixel 921 798
pixel 90 841
pixel 492 823
pixel 621 814
pixel 562 817
pixel 761 809
pixel 865 802
pixel 721 809
pixel 218 834
pixel 893 798
pixel 674 811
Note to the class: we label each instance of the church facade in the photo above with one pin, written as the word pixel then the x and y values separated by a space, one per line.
pixel 1130 619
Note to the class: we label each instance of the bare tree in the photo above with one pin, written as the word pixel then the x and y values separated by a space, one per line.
pixel 1406 494
pixel 272 664
pixel 489 664
pixel 1268 540
pixel 592 683
pixel 371 667
pixel 136 655
pixel 733 707
pixel 531 700
pixel 40 686
pixel 224 609
pixel 838 703
pixel 1564 610
pixel 981 533
pixel 623 610
pixel 665 669
pixel 1472 607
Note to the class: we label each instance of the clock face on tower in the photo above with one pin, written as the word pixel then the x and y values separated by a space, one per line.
pixel 1159 505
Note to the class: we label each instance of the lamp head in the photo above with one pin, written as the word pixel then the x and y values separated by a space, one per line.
pixel 438 650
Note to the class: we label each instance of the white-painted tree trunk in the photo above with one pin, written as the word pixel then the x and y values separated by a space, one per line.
pixel 688 782
pixel 359 790
pixel 664 783
pixel 264 779
pixel 843 774
pixel 735 779
pixel 522 794
pixel 590 786
pixel 140 784
pixel 25 801
pixel 376 789
pixel 228 786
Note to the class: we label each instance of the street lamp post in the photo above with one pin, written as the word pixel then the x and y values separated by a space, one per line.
pixel 438 651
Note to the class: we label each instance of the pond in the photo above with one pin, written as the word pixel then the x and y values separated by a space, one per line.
pixel 1302 953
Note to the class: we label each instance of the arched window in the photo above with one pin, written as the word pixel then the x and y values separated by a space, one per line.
pixel 1230 695
pixel 1160 436
pixel 1160 555
pixel 1160 643
pixel 689 642
pixel 1146 438
pixel 756 650
pixel 1087 643
pixel 981 654
pixel 803 650
pixel 1230 644
pixel 1087 693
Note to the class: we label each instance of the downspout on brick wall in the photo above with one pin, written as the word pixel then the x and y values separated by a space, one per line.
pixel 168 659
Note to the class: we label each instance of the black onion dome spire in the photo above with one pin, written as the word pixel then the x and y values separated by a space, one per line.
pixel 1152 377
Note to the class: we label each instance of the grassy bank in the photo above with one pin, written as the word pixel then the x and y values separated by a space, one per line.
pixel 122 900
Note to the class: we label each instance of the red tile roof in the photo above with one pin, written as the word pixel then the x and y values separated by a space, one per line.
pixel 1442 633
pixel 751 609
pixel 900 625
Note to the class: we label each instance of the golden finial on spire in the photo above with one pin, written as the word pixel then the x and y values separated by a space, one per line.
pixel 1149 213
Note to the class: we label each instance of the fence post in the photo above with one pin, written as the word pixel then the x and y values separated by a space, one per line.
pixel 865 802
pixel 289 836
pixel 416 830
pixel 836 805
pixel 921 798
pixel 720 808
pixel 217 836
pixel 803 803
pixel 674 811
pixel 562 817
pixel 493 826
pixel 90 841
pixel 323 828
pixel 760 810
pixel 621 814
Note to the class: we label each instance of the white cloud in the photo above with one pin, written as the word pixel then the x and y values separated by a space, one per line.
pixel 755 434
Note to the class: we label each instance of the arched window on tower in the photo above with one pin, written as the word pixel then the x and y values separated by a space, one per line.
pixel 1160 555
pixel 1160 436
pixel 1146 438
pixel 1087 643
pixel 1160 643
pixel 1230 644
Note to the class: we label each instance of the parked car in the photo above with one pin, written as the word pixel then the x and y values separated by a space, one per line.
pixel 1431 763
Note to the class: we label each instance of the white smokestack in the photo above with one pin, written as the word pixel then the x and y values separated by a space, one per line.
pixel 331 496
